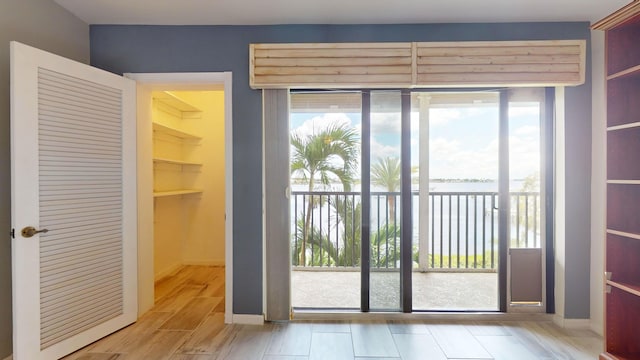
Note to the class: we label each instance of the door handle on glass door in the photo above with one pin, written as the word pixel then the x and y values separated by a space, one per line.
pixel 29 231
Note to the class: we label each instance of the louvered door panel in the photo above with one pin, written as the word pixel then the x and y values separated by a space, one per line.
pixel 80 198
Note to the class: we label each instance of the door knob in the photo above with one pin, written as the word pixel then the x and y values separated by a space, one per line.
pixel 29 231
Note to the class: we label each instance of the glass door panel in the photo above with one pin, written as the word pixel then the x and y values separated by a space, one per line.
pixel 526 109
pixel 347 190
pixel 325 199
pixel 385 183
pixel 455 167
pixel 525 115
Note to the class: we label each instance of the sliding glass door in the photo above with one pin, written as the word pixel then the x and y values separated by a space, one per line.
pixel 404 201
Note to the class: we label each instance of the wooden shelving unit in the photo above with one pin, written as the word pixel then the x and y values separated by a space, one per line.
pixel 171 143
pixel 622 246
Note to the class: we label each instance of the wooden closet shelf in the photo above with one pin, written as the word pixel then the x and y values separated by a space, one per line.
pixel 625 234
pixel 176 162
pixel 630 72
pixel 174 132
pixel 608 356
pixel 176 192
pixel 624 126
pixel 174 101
pixel 631 289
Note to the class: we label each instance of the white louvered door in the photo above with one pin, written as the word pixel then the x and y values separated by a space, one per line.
pixel 73 174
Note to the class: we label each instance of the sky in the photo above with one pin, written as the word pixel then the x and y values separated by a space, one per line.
pixel 463 141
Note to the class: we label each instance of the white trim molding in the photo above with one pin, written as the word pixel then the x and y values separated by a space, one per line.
pixel 571 323
pixel 245 319
pixel 208 81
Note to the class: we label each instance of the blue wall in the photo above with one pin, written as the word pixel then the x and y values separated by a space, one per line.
pixel 123 49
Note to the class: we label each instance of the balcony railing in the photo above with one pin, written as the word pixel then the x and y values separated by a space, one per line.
pixel 462 229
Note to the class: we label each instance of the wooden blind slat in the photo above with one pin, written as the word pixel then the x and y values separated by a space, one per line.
pixel 331 53
pixel 494 78
pixel 511 68
pixel 337 79
pixel 364 45
pixel 333 70
pixel 511 50
pixel 499 59
pixel 371 61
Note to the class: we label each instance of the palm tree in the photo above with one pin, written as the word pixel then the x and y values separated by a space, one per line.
pixel 325 252
pixel 319 157
pixel 349 217
pixel 386 173
pixel 384 249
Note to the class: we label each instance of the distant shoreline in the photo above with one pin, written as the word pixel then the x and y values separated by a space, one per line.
pixel 438 180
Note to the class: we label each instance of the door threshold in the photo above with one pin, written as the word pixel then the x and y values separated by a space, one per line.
pixel 349 315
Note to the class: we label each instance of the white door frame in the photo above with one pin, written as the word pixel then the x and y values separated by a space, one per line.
pixel 148 82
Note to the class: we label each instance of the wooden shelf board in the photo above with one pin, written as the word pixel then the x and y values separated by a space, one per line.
pixel 174 132
pixel 608 356
pixel 632 71
pixel 176 192
pixel 625 234
pixel 174 101
pixel 177 162
pixel 631 289
pixel 624 126
pixel 624 182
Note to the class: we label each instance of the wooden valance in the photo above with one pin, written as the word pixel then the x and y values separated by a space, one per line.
pixel 417 64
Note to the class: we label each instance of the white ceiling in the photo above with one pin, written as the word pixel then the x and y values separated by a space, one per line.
pixel 263 12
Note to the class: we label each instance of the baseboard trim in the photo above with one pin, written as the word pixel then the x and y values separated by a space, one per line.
pixel 248 319
pixel 167 272
pixel 307 315
pixel 572 323
pixel 204 262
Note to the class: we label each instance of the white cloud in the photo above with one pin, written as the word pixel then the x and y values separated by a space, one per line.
pixel 442 116
pixel 319 123
pixel 527 130
pixel 385 123
pixel 524 156
pixel 381 151
pixel 449 159
pixel 524 110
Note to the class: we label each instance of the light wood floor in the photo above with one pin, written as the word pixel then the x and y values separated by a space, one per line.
pixel 187 323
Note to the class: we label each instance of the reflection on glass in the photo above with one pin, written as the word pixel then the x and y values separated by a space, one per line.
pixel 525 106
pixel 455 156
pixel 385 200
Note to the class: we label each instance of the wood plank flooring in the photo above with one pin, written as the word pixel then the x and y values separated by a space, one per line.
pixel 187 323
